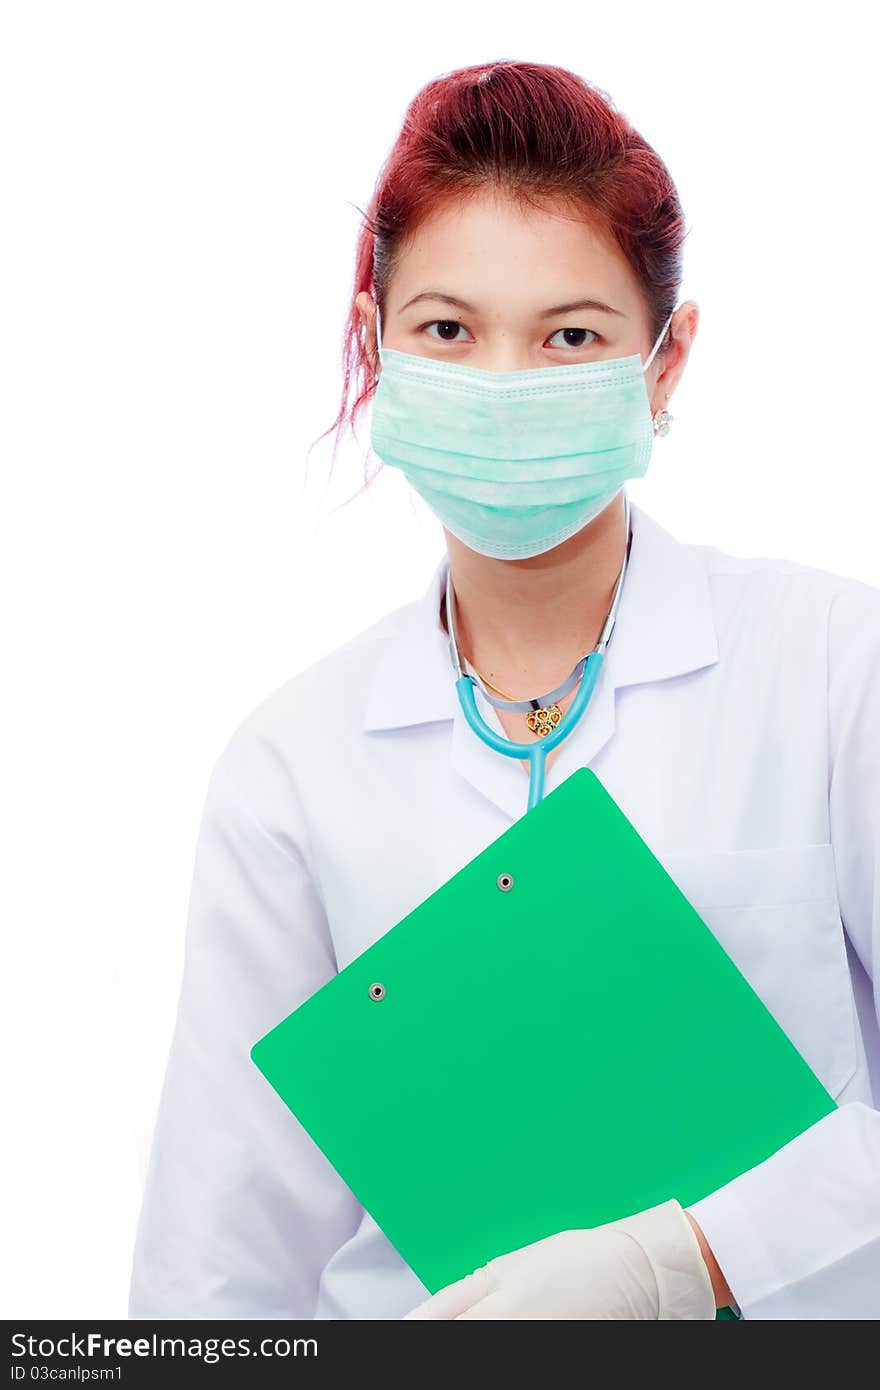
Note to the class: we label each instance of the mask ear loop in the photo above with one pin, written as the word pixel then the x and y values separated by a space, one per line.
pixel 658 342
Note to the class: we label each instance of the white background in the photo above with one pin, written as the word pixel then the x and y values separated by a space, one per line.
pixel 180 185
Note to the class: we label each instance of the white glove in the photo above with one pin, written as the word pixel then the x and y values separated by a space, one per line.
pixel 644 1266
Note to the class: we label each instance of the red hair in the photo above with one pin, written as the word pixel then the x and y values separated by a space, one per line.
pixel 542 135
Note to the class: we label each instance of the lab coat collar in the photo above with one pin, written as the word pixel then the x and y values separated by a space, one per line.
pixel 664 628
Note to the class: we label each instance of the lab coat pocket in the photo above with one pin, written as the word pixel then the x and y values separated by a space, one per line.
pixel 777 915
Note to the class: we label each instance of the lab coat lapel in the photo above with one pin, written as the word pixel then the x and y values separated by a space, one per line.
pixel 665 628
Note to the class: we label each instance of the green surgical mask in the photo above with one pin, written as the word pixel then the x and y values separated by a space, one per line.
pixel 513 463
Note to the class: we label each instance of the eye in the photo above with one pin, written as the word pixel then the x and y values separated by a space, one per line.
pixel 578 335
pixel 449 330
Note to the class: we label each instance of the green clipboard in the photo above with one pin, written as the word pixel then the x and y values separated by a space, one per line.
pixel 558 1040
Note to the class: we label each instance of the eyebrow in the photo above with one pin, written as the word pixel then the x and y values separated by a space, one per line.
pixel 595 305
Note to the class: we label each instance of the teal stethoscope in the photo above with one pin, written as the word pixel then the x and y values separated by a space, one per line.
pixel 589 665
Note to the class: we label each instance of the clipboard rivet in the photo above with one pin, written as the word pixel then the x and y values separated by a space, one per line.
pixel 377 991
pixel 505 882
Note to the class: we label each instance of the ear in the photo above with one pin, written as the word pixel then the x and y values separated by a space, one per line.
pixel 683 330
pixel 367 308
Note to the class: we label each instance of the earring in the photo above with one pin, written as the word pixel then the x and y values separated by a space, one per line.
pixel 662 421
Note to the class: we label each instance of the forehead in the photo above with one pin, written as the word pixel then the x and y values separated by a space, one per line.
pixel 495 254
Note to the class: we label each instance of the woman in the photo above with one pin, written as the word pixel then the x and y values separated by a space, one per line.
pixel 522 225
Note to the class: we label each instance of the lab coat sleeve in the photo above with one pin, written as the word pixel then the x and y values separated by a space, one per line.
pixel 241 1211
pixel 798 1236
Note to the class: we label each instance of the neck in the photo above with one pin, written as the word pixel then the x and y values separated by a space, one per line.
pixel 523 624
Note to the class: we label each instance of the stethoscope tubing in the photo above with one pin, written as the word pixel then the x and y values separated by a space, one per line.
pixel 536 753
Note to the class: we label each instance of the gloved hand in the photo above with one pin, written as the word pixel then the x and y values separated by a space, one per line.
pixel 643 1266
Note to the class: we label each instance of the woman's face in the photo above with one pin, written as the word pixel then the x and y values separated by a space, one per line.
pixel 487 284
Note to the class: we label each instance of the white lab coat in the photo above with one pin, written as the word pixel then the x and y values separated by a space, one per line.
pixel 736 720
